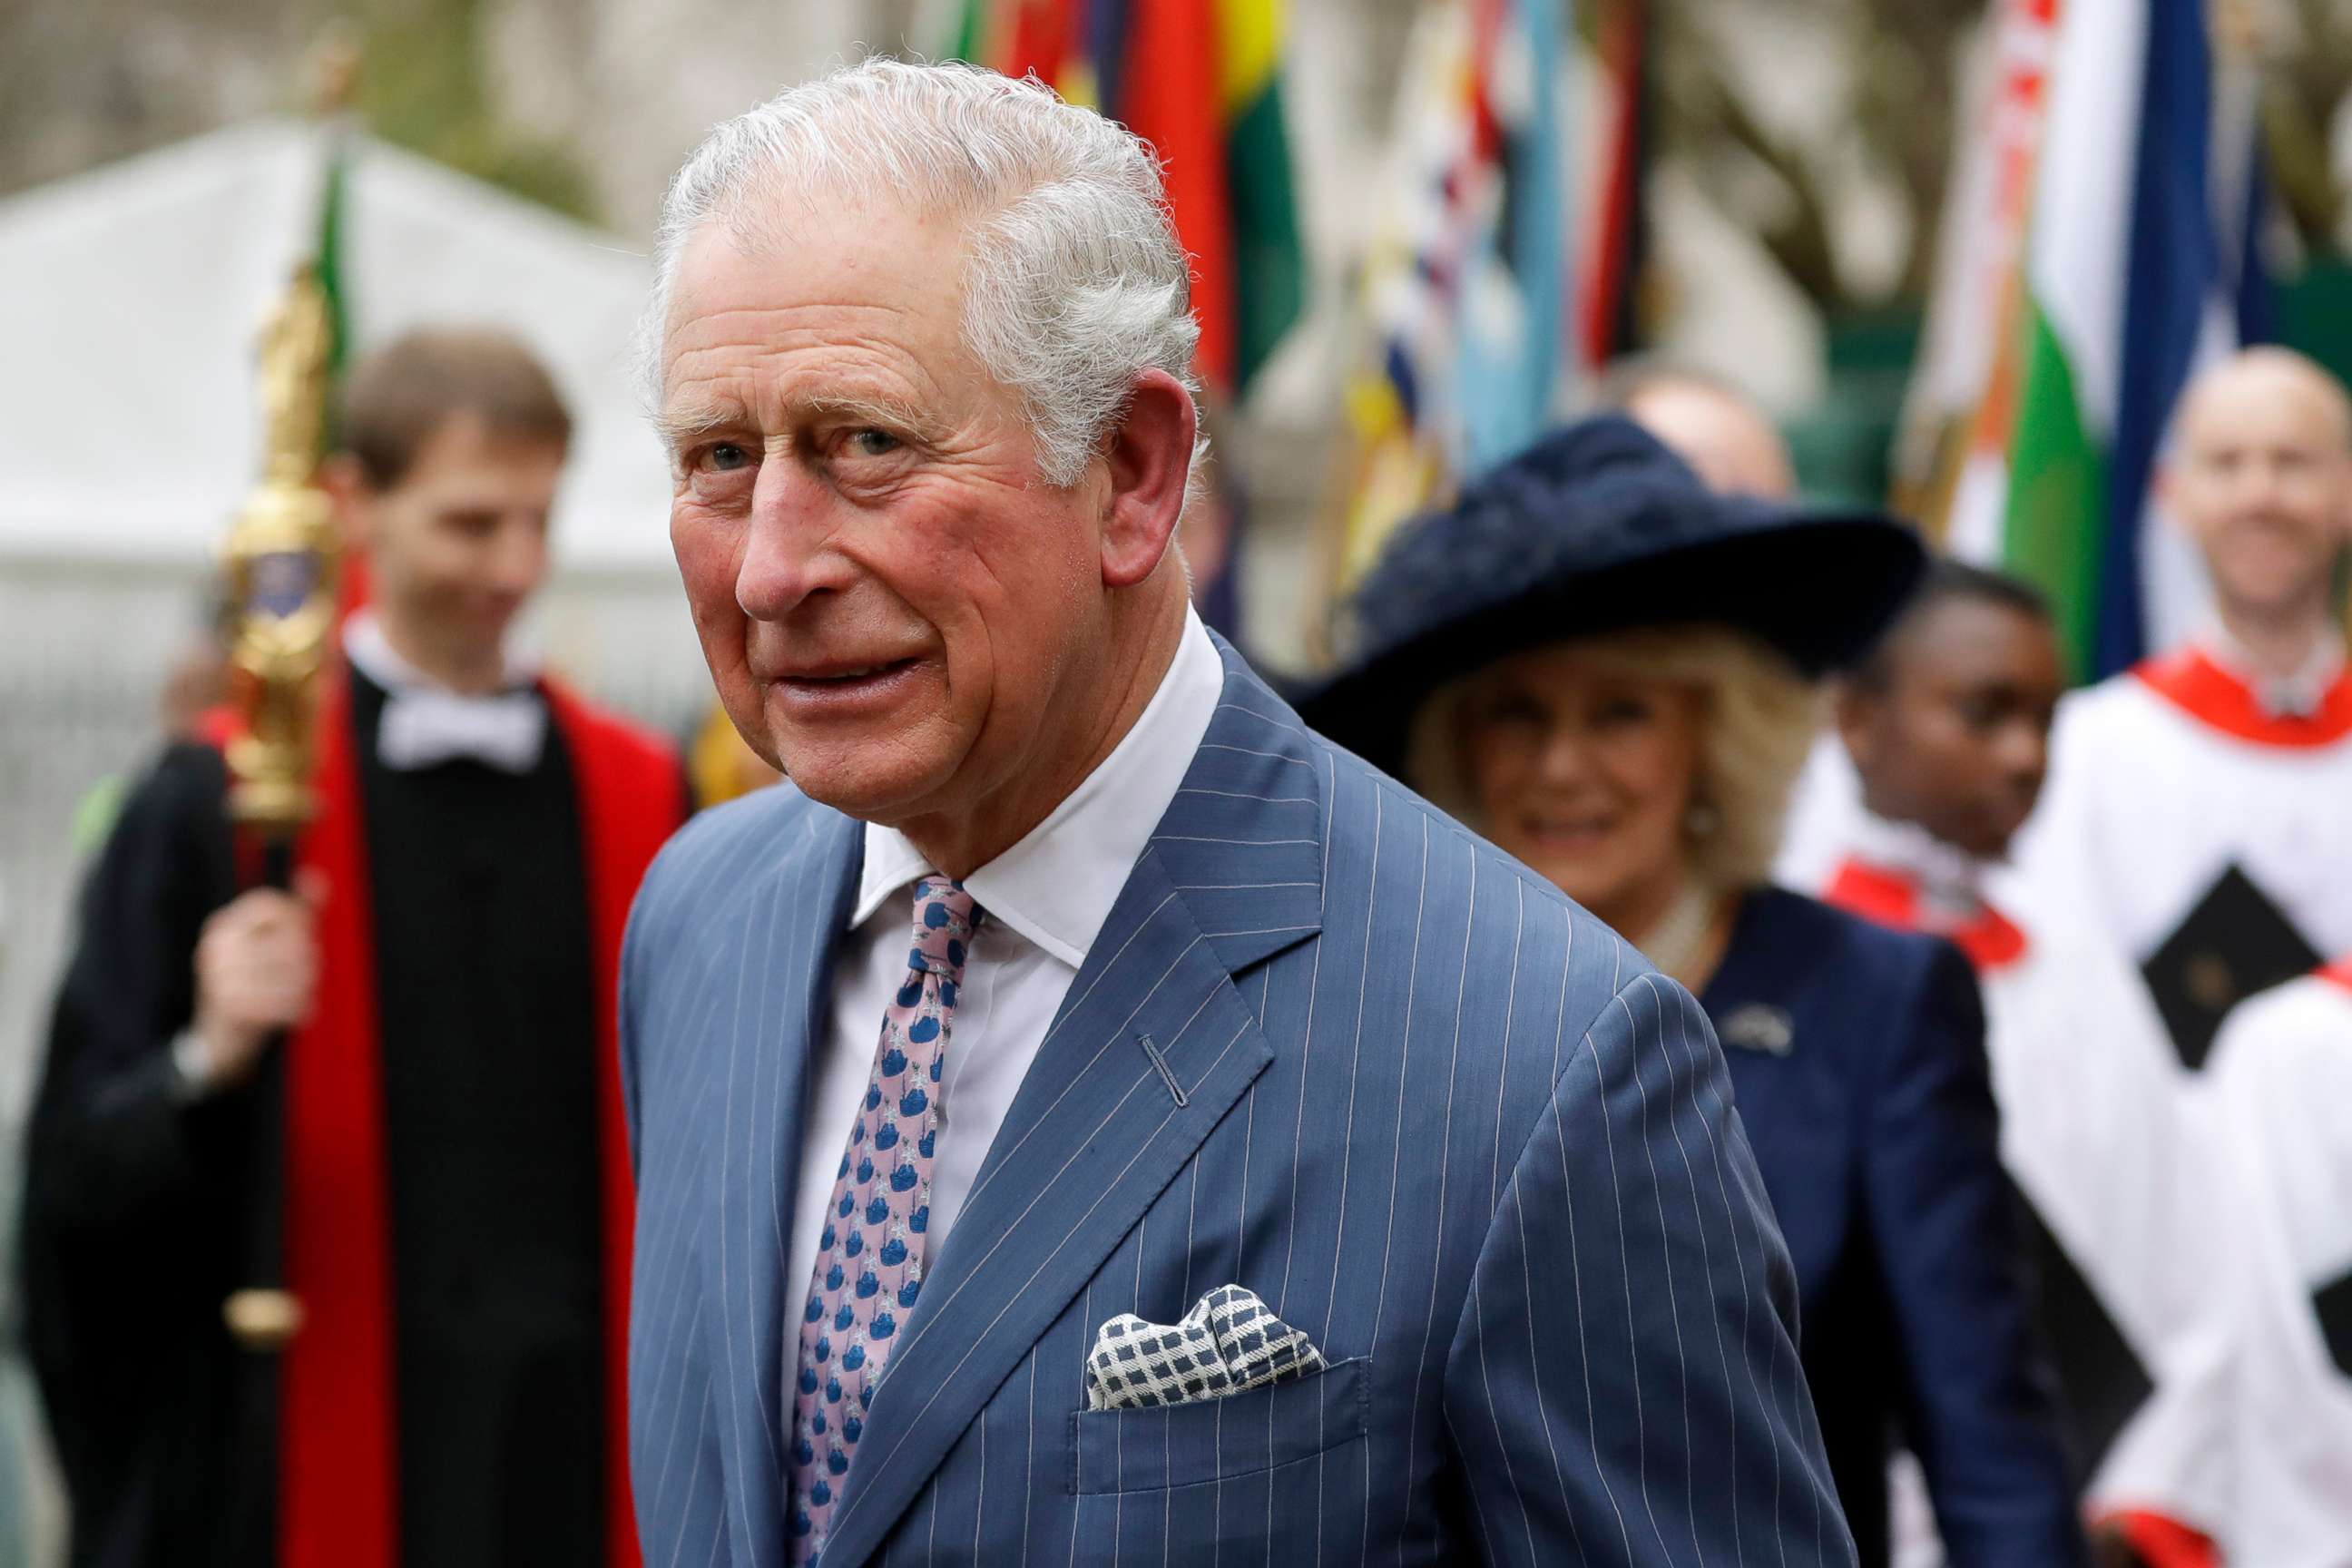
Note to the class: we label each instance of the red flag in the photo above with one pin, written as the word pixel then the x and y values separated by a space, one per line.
pixel 1170 95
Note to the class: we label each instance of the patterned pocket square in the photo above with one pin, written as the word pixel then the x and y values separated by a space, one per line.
pixel 1229 1342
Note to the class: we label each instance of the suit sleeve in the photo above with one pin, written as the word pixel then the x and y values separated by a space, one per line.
pixel 1980 1413
pixel 134 1200
pixel 113 1150
pixel 1624 1387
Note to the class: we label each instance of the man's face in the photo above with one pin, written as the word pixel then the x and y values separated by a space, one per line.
pixel 895 607
pixel 1958 739
pixel 2263 481
pixel 458 545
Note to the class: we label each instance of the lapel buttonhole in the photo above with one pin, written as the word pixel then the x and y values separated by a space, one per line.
pixel 1160 1065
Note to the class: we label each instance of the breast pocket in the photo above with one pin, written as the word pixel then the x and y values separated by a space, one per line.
pixel 1219 1440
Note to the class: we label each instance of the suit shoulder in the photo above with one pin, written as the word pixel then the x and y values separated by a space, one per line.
pixel 1350 773
pixel 715 847
pixel 1602 963
pixel 737 827
pixel 1845 937
pixel 1877 966
pixel 187 778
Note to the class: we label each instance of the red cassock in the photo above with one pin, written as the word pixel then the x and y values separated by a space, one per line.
pixel 339 1486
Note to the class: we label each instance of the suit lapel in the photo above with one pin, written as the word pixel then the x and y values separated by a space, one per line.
pixel 1104 1120
pixel 790 928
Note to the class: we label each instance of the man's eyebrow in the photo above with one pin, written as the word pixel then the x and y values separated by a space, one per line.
pixel 678 427
pixel 886 412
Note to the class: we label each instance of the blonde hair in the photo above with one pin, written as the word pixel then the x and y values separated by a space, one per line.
pixel 1758 718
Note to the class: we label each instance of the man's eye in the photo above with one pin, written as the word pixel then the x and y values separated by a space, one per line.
pixel 872 443
pixel 723 456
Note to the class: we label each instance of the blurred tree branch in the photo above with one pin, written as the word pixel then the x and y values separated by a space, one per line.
pixel 1898 116
pixel 2306 65
pixel 425 85
pixel 1718 135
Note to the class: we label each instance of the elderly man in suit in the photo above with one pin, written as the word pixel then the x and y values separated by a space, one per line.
pixel 1085 1114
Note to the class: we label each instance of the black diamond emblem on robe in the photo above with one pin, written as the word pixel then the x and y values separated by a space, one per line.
pixel 2333 1306
pixel 2235 943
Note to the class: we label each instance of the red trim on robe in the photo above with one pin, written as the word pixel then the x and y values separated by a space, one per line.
pixel 632 798
pixel 2162 1542
pixel 2339 972
pixel 2190 679
pixel 1991 941
pixel 338 1460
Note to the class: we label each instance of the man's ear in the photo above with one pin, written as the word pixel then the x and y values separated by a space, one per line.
pixel 1149 454
pixel 354 500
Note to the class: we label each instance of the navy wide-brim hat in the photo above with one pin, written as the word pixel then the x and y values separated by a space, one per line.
pixel 1599 528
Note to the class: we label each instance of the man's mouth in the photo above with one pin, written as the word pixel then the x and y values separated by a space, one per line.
pixel 842 686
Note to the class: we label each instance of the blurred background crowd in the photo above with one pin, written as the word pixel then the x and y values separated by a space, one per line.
pixel 1965 262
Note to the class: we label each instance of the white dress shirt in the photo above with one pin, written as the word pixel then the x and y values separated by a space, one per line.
pixel 424 722
pixel 1045 899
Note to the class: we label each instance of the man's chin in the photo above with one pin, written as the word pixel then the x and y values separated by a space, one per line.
pixel 855 786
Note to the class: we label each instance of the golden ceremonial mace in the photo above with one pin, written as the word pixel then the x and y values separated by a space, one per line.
pixel 281 561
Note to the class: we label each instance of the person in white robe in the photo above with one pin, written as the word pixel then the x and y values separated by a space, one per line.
pixel 2280 1074
pixel 2198 812
pixel 1937 759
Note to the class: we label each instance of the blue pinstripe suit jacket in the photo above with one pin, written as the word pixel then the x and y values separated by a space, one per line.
pixel 1435 1115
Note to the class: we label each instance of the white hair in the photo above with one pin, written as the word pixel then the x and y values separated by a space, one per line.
pixel 1075 282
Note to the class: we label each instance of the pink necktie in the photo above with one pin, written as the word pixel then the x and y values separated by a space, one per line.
pixel 870 1259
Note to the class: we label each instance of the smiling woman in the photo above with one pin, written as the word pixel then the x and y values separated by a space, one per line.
pixel 1624 707
pixel 1624 766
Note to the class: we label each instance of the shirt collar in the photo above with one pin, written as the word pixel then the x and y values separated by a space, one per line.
pixel 1950 880
pixel 2299 694
pixel 1057 885
pixel 372 654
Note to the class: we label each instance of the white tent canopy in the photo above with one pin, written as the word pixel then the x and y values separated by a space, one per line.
pixel 128 427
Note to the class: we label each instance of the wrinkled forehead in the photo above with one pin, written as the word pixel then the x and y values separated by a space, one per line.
pixel 854 280
pixel 822 243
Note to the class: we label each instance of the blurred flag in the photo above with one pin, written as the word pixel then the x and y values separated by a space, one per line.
pixel 1201 82
pixel 330 257
pixel 1466 286
pixel 1620 229
pixel 1952 457
pixel 2140 265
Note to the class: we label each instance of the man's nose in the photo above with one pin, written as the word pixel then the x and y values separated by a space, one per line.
pixel 789 551
pixel 2259 484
